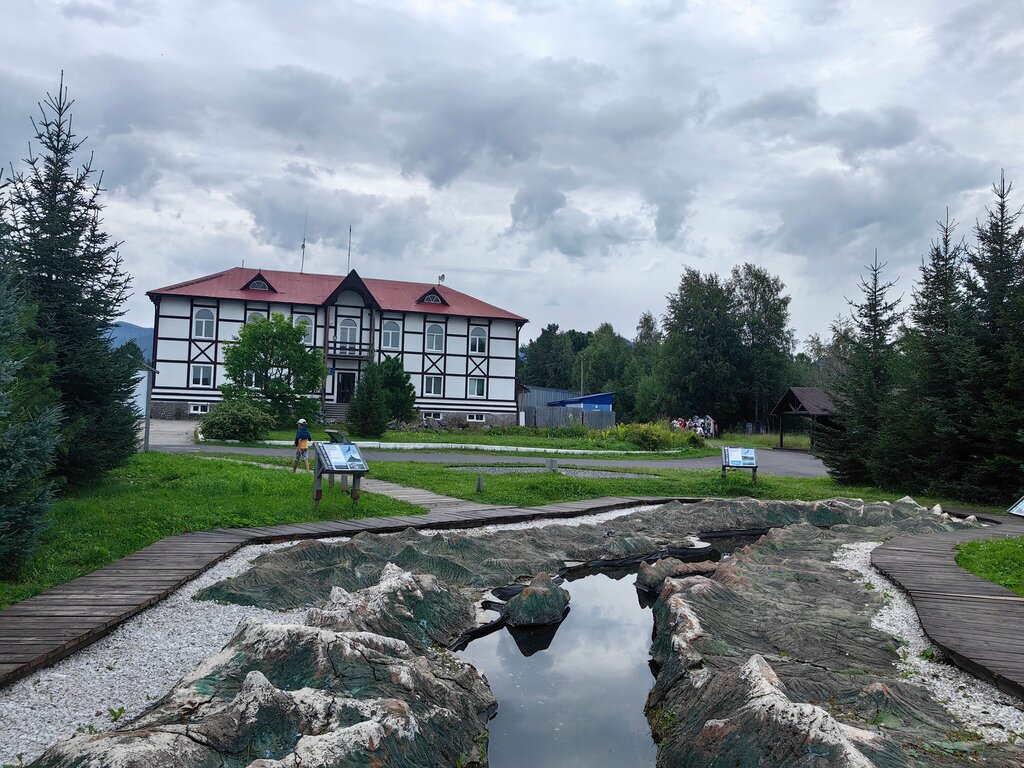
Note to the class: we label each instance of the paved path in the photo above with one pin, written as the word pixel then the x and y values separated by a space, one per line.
pixel 772 462
pixel 979 625
pixel 42 629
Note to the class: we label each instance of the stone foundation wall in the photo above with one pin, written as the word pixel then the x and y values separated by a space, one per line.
pixel 171 409
pixel 491 419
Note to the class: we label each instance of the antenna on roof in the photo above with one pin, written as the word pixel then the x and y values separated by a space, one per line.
pixel 348 267
pixel 440 279
pixel 305 220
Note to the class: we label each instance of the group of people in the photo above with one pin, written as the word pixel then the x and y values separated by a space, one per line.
pixel 702 426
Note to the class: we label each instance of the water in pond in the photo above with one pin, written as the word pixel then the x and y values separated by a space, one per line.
pixel 577 702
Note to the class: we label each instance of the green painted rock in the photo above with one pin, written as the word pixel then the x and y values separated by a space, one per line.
pixel 542 602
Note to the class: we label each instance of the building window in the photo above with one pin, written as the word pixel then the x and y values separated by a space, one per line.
pixel 255 316
pixel 307 329
pixel 478 341
pixel 433 385
pixel 477 387
pixel 203 326
pixel 435 415
pixel 475 417
pixel 348 334
pixel 435 338
pixel 431 298
pixel 259 285
pixel 198 408
pixel 390 335
pixel 202 375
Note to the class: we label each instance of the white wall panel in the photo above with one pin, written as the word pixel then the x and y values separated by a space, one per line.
pixel 172 350
pixel 232 310
pixel 174 305
pixel 502 367
pixel 172 374
pixel 502 348
pixel 456 365
pixel 170 326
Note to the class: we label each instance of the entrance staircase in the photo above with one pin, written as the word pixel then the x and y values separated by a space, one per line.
pixel 335 413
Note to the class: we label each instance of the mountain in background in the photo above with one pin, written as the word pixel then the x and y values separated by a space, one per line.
pixel 123 332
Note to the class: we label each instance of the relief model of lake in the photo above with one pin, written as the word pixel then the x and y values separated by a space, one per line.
pixel 577 702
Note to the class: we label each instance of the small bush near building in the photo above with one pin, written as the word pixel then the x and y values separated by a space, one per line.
pixel 237 419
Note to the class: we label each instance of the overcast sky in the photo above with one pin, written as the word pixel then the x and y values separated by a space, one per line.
pixel 559 158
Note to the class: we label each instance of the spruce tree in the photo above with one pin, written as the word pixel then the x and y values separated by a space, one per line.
pixel 368 409
pixel 923 441
pixel 72 273
pixel 400 394
pixel 28 436
pixel 996 291
pixel 860 390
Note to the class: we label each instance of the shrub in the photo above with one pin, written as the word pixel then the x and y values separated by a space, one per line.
pixel 237 419
pixel 368 409
pixel 656 436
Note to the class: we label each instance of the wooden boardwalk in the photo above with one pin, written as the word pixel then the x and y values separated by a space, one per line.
pixel 979 625
pixel 43 629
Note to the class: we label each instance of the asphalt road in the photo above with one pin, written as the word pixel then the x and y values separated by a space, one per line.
pixel 771 462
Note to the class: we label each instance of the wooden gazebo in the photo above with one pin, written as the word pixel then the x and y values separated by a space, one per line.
pixel 810 402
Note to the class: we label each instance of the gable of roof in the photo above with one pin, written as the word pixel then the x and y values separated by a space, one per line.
pixel 806 401
pixel 289 287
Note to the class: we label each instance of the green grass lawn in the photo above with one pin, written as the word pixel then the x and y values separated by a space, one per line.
pixel 998 560
pixel 158 495
pixel 527 490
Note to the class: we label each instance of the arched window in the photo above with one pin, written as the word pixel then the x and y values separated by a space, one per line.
pixel 259 285
pixel 307 329
pixel 431 298
pixel 390 336
pixel 348 334
pixel 435 338
pixel 254 316
pixel 203 324
pixel 478 341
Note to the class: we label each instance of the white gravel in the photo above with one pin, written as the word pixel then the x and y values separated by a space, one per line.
pixel 131 667
pixel 141 660
pixel 983 707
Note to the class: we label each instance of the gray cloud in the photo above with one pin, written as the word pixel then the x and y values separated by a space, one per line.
pixel 793 117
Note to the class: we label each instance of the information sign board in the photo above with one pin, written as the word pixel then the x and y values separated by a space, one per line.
pixel 344 457
pixel 743 458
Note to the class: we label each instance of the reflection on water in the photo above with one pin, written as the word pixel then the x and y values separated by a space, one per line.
pixel 577 699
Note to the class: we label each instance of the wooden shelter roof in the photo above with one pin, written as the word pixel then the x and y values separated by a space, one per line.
pixel 805 401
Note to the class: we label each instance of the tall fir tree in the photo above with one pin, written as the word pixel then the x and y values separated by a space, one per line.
pixel 72 273
pixel 860 390
pixel 996 292
pixel 27 435
pixel 923 443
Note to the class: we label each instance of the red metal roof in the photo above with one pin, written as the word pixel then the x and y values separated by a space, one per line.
pixel 300 288
pixel 399 296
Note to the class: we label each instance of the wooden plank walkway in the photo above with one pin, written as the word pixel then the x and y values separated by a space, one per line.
pixel 979 625
pixel 43 629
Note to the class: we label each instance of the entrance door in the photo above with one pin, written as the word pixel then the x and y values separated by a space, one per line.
pixel 345 384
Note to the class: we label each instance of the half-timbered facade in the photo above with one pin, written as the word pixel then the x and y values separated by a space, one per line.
pixel 459 351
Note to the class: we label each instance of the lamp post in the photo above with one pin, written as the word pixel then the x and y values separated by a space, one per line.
pixel 150 378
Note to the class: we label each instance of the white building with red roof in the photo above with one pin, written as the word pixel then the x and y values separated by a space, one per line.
pixel 460 352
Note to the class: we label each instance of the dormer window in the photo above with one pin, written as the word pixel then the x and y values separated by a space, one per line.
pixel 258 283
pixel 431 297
